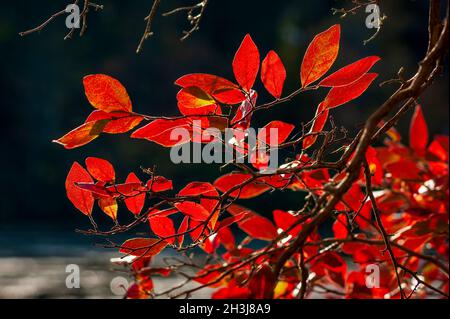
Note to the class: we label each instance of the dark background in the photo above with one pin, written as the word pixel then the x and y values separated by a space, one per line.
pixel 41 93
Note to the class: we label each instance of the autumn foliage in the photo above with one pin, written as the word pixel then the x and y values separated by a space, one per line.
pixel 394 215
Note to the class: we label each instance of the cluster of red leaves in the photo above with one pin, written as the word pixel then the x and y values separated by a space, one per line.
pixel 410 183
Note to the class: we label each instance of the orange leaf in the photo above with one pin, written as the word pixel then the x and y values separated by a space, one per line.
pixel 83 200
pixel 106 93
pixel 109 206
pixel 143 247
pixel 273 74
pixel 246 63
pixel 344 94
pixel 119 122
pixel 351 73
pixel 82 135
pixel 320 55
pixel 100 169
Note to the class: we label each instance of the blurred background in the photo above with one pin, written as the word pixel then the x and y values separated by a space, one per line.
pixel 41 98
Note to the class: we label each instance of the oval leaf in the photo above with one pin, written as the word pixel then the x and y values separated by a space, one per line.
pixel 320 55
pixel 106 93
pixel 246 63
pixel 273 74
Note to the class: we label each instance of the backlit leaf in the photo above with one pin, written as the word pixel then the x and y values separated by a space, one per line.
pixel 344 94
pixel 250 190
pixel 163 227
pixel 100 169
pixel 320 55
pixel 273 74
pixel 106 93
pixel 136 203
pixel 82 135
pixel 418 134
pixel 194 210
pixel 246 63
pixel 351 73
pixel 83 200
pixel 143 247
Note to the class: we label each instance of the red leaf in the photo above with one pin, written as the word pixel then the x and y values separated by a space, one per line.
pixel 317 126
pixel 351 73
pixel 228 182
pixel 340 227
pixel 159 131
pixel 439 148
pixel 143 247
pixel 119 122
pixel 202 189
pixel 418 134
pixel 159 184
pixel 82 135
pixel 193 210
pixel 254 225
pixel 226 238
pixel 100 169
pixel 285 221
pixel 222 90
pixel 83 200
pixel 282 130
pixel 320 55
pixel 106 93
pixel 344 94
pixel 404 169
pixel 109 206
pixel 163 227
pixel 246 63
pixel 262 284
pixel 273 74
pixel 136 203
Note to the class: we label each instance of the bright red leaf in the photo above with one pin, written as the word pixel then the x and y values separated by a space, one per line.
pixel 163 227
pixel 246 63
pixel 344 94
pixel 231 181
pixel 221 89
pixel 136 203
pixel 317 126
pixel 194 210
pixel 273 74
pixel 83 200
pixel 418 134
pixel 351 73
